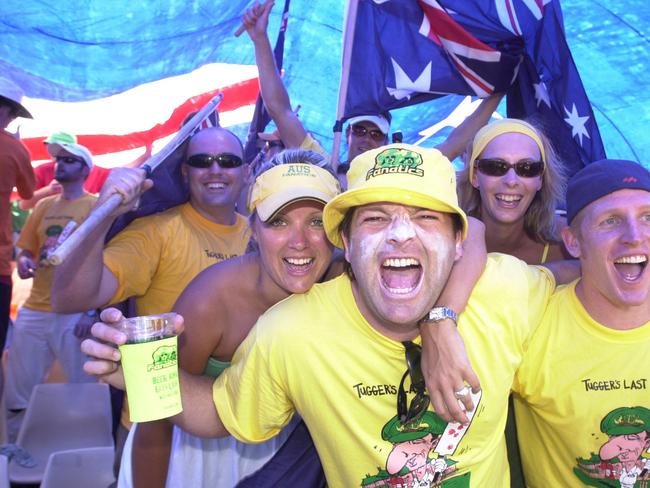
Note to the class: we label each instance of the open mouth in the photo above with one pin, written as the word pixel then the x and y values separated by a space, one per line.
pixel 401 276
pixel 508 200
pixel 215 186
pixel 631 267
pixel 298 265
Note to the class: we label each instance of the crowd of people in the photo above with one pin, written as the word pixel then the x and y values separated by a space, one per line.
pixel 379 323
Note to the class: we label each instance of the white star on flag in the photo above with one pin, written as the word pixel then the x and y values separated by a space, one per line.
pixel 541 94
pixel 405 87
pixel 577 123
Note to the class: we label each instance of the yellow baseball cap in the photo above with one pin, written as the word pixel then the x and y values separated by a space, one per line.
pixel 397 173
pixel 285 184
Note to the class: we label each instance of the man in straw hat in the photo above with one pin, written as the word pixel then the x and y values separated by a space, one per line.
pixel 345 355
pixel 17 172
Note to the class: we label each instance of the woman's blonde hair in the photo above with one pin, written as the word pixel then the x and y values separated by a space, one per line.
pixel 539 219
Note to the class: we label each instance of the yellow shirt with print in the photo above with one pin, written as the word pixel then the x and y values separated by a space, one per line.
pixel 156 257
pixel 316 354
pixel 41 234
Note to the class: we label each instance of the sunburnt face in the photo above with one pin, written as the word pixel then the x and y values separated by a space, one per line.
pixel 401 257
pixel 613 246
pixel 293 246
pixel 505 199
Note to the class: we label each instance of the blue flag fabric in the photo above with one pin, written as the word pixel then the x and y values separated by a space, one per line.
pixel 261 118
pixel 409 51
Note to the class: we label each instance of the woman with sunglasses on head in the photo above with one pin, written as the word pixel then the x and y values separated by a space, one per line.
pixel 290 253
pixel 513 182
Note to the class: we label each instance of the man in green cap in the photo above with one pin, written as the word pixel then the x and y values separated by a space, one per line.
pixel 47 185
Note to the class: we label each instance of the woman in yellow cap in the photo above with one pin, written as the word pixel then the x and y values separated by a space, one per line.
pixel 220 306
pixel 513 182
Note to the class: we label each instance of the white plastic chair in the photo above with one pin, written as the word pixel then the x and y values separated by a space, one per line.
pixel 4 473
pixel 90 468
pixel 62 417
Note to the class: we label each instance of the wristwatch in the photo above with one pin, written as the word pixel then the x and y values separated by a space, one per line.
pixel 440 313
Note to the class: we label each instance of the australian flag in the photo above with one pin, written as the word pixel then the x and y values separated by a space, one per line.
pixel 409 51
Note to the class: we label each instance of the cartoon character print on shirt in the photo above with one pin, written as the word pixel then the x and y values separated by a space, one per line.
pixel 420 454
pixel 56 234
pixel 623 460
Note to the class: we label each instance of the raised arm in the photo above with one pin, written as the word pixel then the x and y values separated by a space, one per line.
pixel 82 282
pixel 199 416
pixel 444 359
pixel 275 96
pixel 461 136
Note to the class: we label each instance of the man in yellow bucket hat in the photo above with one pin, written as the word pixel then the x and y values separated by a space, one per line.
pixel 346 355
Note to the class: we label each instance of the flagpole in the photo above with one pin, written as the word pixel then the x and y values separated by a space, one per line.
pixel 348 41
pixel 99 214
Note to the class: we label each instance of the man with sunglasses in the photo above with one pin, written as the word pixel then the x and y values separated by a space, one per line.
pixel 39 333
pixel 345 355
pixel 155 257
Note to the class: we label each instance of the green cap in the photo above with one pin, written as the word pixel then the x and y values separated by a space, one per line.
pixel 626 420
pixel 394 431
pixel 61 138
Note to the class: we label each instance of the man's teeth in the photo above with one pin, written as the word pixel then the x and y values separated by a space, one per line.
pixel 400 291
pixel 299 261
pixel 509 198
pixel 400 262
pixel 638 259
pixel 216 186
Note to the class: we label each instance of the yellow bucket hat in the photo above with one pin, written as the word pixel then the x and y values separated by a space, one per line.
pixel 397 173
pixel 285 184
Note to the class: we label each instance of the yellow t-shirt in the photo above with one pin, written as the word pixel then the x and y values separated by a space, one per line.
pixel 576 372
pixel 312 144
pixel 156 256
pixel 316 354
pixel 41 234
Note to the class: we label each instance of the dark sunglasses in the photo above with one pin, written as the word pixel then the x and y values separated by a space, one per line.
pixel 68 160
pixel 498 167
pixel 360 131
pixel 413 412
pixel 224 160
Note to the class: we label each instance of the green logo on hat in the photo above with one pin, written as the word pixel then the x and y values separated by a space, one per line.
pixel 396 160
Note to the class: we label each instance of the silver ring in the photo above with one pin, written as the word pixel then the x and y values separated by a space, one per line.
pixel 463 392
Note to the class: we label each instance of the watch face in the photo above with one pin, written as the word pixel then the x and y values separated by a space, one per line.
pixel 440 313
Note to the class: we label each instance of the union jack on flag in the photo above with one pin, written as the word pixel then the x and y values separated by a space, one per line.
pixel 409 51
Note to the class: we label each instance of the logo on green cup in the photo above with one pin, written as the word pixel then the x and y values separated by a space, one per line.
pixel 396 160
pixel 163 357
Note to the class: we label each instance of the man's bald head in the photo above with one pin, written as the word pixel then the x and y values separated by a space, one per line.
pixel 215 140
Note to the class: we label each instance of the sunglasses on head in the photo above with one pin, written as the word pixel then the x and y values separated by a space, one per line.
pixel 224 160
pixel 68 160
pixel 525 168
pixel 413 412
pixel 361 131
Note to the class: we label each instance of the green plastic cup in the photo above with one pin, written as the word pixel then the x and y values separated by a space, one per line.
pixel 150 364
